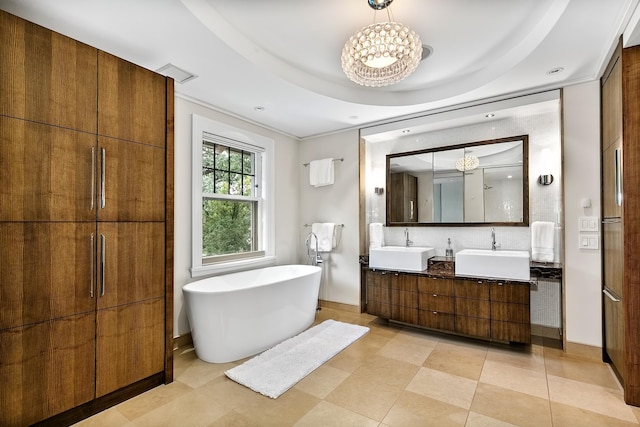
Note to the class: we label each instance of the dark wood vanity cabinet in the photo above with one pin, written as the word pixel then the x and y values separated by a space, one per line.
pixel 473 308
pixel 510 312
pixel 436 303
pixel 488 309
pixel 378 294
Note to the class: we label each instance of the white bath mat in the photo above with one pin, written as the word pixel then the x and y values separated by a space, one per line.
pixel 278 369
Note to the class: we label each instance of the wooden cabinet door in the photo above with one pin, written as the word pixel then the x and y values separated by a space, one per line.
pixel 131 262
pixel 131 181
pixel 378 294
pixel 612 106
pixel 47 271
pixel 129 344
pixel 46 368
pixel 47 173
pixel 45 76
pixel 473 310
pixel 613 257
pixel 612 180
pixel 404 297
pixel 131 102
pixel 614 332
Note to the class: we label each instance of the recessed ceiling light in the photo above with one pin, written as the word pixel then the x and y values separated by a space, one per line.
pixel 259 108
pixel 488 116
pixel 177 74
pixel 554 71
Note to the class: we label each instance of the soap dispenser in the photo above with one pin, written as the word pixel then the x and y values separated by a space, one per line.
pixel 449 250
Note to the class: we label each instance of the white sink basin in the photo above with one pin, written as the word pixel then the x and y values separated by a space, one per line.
pixel 498 264
pixel 401 258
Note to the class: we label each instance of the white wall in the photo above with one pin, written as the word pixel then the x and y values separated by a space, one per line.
pixel 337 203
pixel 287 234
pixel 582 268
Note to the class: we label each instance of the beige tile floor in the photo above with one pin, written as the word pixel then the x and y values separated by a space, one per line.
pixel 394 376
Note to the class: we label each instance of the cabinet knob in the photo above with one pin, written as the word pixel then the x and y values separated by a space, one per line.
pixel 434 312
pixel 435 295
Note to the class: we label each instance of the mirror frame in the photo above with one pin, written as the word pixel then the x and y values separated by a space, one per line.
pixel 525 185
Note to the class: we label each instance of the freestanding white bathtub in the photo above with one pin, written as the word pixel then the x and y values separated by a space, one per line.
pixel 237 315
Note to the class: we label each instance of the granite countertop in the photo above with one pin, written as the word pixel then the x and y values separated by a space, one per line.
pixel 445 267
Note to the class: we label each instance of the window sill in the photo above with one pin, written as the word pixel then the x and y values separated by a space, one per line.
pixel 232 266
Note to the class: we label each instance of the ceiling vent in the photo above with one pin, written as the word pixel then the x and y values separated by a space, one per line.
pixel 177 74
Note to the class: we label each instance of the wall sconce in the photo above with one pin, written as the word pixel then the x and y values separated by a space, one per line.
pixel 545 159
pixel 545 179
pixel 378 190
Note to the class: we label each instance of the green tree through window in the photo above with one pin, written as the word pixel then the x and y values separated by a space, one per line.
pixel 229 207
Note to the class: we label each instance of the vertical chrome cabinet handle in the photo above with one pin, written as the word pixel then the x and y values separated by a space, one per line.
pixel 93 177
pixel 411 203
pixel 92 267
pixel 102 263
pixel 618 177
pixel 102 179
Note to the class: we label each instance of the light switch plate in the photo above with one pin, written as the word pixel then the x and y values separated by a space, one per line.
pixel 588 223
pixel 588 241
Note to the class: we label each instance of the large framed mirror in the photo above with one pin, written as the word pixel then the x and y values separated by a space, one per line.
pixel 478 183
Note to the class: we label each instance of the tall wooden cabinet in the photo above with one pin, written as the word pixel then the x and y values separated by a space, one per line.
pixel 621 217
pixel 86 154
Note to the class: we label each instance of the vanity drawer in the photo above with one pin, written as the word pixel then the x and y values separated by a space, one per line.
pixel 434 285
pixel 404 314
pixel 511 292
pixel 436 320
pixel 511 332
pixel 378 308
pixel 505 312
pixel 435 302
pixel 404 298
pixel 475 308
pixel 473 326
pixel 478 289
pixel 377 293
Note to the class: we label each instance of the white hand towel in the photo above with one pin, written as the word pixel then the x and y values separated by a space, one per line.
pixel 326 234
pixel 376 235
pixel 542 241
pixel 321 172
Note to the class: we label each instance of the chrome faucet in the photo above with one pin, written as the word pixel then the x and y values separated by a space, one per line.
pixel 317 259
pixel 494 245
pixel 407 242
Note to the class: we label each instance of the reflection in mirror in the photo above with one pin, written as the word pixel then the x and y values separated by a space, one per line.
pixel 478 183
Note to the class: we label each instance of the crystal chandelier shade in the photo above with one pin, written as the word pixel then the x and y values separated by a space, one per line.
pixel 381 54
pixel 467 163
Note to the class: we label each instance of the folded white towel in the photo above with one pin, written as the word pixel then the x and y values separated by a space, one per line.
pixel 321 172
pixel 542 241
pixel 326 234
pixel 376 235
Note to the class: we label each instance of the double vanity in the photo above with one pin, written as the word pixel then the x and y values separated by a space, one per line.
pixel 481 293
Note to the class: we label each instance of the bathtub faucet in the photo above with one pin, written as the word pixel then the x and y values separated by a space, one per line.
pixel 316 259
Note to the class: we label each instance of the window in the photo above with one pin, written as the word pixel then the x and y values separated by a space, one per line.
pixel 232 208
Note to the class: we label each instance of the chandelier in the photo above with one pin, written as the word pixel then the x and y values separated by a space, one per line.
pixel 382 53
pixel 467 163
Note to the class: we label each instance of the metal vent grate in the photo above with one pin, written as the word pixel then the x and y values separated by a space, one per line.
pixel 178 74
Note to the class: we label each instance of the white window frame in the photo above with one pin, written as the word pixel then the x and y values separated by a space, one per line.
pixel 266 217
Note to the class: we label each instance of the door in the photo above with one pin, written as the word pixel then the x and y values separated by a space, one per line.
pixel 613 276
pixel 48 173
pixel 131 181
